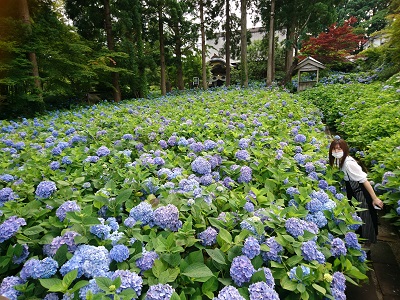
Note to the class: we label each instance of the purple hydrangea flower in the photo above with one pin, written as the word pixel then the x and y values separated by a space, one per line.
pixel 7 287
pixel 251 247
pixel 92 159
pixel 249 206
pixel 292 191
pixel 146 262
pixel 196 147
pixel 351 241
pixel 245 174
pixel 300 138
pixel 103 151
pixel 54 165
pixel 310 252
pixel 129 279
pixel 66 239
pixel 269 279
pixel 338 247
pixel 6 178
pixel 208 237
pixel 67 206
pixel 119 253
pixel 261 290
pixel 241 270
pixel 6 194
pixel 167 217
pixel 10 227
pixel 143 212
pixel 209 145
pixel 229 293
pixel 159 292
pixel 338 281
pixel 201 165
pixel 45 189
pixel 242 155
pixel 244 143
pixel 228 182
pixel 293 227
pixel 274 249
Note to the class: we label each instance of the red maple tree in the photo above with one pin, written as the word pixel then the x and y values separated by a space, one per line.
pixel 335 45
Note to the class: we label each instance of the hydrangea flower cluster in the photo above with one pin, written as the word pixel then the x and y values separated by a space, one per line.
pixel 6 178
pixel 10 227
pixel 261 290
pixel 294 227
pixel 229 293
pixel 251 247
pixel 338 247
pixel 146 261
pixel 129 279
pixel 7 287
pixel 66 239
pixel 23 256
pixel 242 155
pixel 45 189
pixel 274 249
pixel 300 138
pixel 338 286
pixel 201 166
pixel 36 269
pixel 103 151
pixel 241 270
pixel 304 271
pixel 351 241
pixel 7 194
pixel 119 253
pixel 208 237
pixel 67 206
pixel 245 174
pixel 310 252
pixel 167 217
pixel 159 292
pixel 90 261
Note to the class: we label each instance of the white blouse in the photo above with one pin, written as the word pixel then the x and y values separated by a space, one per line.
pixel 353 169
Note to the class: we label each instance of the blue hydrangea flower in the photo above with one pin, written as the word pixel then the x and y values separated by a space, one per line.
pixel 245 174
pixel 196 147
pixel 209 145
pixel 338 281
pixel 66 239
pixel 244 143
pixel 67 206
pixel 310 252
pixel 159 292
pixel 146 261
pixel 90 261
pixel 269 279
pixel 143 212
pixel 338 247
pixel 314 205
pixel 332 189
pixel 318 218
pixel 293 227
pixel 92 287
pixel 6 177
pixel 92 159
pixel 251 247
pixel 309 167
pixel 54 165
pixel 274 250
pixel 249 206
pixel 323 184
pixel 45 189
pixel 6 194
pixel 51 296
pixel 23 256
pixel 7 287
pixel 167 217
pixel 228 182
pixel 103 151
pixel 300 138
pixel 119 253
pixel 36 269
pixel 242 155
pixel 241 270
pixel 129 279
pixel 208 237
pixel 10 227
pixel 261 290
pixel 201 166
pixel 351 241
pixel 292 191
pixel 229 293
pixel 66 160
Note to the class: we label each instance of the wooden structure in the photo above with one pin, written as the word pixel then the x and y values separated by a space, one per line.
pixel 218 71
pixel 309 65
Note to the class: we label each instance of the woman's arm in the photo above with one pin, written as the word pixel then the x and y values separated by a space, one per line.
pixel 375 200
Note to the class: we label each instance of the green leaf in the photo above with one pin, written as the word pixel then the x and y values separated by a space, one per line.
pixel 80 284
pixel 70 277
pixel 198 272
pixel 79 180
pixel 288 284
pixel 104 283
pixel 33 230
pixel 175 296
pixel 211 285
pixel 319 288
pixel 61 255
pixel 294 260
pixel 123 196
pixel 217 255
pixel 52 284
pixel 225 235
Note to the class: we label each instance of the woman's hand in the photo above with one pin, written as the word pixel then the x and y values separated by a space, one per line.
pixel 377 202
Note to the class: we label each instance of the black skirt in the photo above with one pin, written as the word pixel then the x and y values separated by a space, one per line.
pixel 369 216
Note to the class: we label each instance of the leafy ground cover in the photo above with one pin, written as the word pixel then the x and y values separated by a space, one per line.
pixel 368 117
pixel 218 194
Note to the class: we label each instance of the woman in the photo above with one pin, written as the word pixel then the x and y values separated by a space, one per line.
pixel 357 186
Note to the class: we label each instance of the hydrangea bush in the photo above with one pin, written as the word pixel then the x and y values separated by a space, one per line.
pixel 221 194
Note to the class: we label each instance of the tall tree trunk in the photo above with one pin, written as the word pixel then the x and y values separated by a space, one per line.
pixel 162 50
pixel 243 44
pixel 178 55
pixel 271 46
pixel 111 47
pixel 227 43
pixel 139 46
pixel 203 47
pixel 289 60
pixel 25 16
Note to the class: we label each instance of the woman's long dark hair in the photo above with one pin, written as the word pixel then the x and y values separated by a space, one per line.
pixel 343 145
